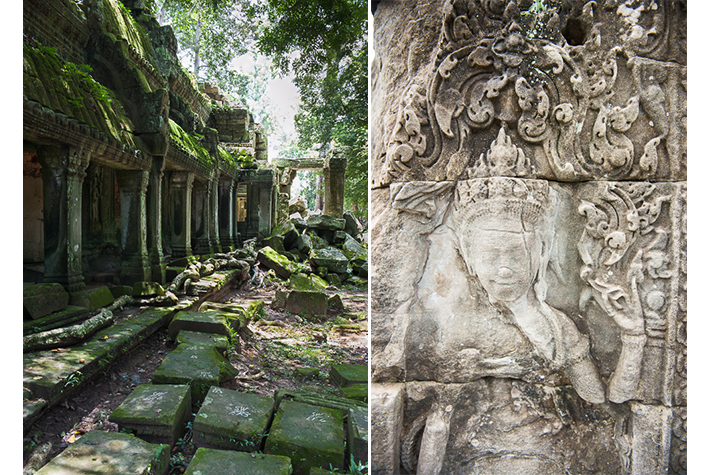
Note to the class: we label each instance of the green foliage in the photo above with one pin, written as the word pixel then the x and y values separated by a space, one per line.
pixel 74 379
pixel 323 42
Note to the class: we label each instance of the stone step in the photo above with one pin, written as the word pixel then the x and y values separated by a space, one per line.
pixel 110 453
pixel 226 462
pixel 54 376
pixel 69 315
pixel 348 374
pixel 199 366
pixel 204 322
pixel 232 420
pixel 220 342
pixel 312 436
pixel 156 413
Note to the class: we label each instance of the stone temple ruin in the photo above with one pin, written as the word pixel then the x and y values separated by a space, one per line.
pixel 144 189
pixel 529 237
pixel 128 164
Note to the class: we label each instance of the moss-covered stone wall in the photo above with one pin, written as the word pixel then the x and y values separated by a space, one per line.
pixel 60 24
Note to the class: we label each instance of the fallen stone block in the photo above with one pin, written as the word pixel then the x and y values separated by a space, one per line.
pixel 232 420
pixel 156 413
pixel 306 373
pixel 325 222
pixel 307 304
pixel 39 300
pixel 336 303
pixel 276 261
pixel 220 342
pixel 357 438
pixel 200 367
pixel 120 290
pixel 93 299
pixel 147 290
pixel 288 232
pixel 311 436
pixel 304 244
pixel 332 258
pixel 306 282
pixel 352 225
pixel 356 391
pixel 110 453
pixel 354 251
pixel 347 374
pixel 238 315
pixel 205 322
pixel 215 462
pixel 276 243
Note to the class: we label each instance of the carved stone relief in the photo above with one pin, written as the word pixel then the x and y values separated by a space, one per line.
pixel 529 237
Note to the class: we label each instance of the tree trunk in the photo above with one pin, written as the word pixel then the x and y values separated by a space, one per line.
pixel 69 335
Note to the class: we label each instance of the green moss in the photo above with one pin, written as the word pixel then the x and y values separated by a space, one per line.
pixel 120 24
pixel 70 89
pixel 190 143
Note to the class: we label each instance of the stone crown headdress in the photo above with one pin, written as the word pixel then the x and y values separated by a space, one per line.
pixel 503 199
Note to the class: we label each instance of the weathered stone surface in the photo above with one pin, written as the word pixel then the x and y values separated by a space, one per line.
pixel 306 282
pixel 325 222
pixel 232 420
pixel 297 205
pixel 288 232
pixel 352 225
pixel 387 403
pixel 331 258
pixel 336 303
pixel 213 461
pixel 347 374
pixel 279 263
pixel 357 391
pixel 93 299
pixel 306 303
pixel 567 294
pixel 199 366
pixel 220 342
pixel 276 243
pixel 110 453
pixel 354 251
pixel 120 290
pixel 147 290
pixel 304 243
pixel 358 426
pixel 39 300
pixel 205 322
pixel 311 436
pixel 155 412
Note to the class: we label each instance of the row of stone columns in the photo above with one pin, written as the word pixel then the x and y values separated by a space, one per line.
pixel 149 215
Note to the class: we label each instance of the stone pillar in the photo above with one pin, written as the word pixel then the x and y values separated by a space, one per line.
pixel 226 213
pixel 214 215
pixel 319 196
pixel 334 183
pixel 651 439
pixel 201 217
pixel 63 172
pixel 266 202
pixel 154 220
pixel 180 210
pixel 133 186
pixel 235 213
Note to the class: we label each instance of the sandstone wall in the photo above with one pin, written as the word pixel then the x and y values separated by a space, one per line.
pixel 529 237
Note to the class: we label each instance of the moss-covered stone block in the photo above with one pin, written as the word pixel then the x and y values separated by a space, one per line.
pixel 222 462
pixel 306 282
pixel 304 244
pixel 279 300
pixel 288 232
pixel 121 290
pixel 312 436
pixel 147 290
pixel 93 299
pixel 110 453
pixel 357 391
pixel 205 322
pixel 232 420
pixel 276 243
pixel 220 342
pixel 238 315
pixel 354 251
pixel 357 438
pixel 332 258
pixel 347 374
pixel 306 373
pixel 317 241
pixel 199 366
pixel 276 261
pixel 308 304
pixel 39 300
pixel 325 222
pixel 155 412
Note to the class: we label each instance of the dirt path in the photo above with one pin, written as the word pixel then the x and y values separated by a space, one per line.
pixel 271 352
